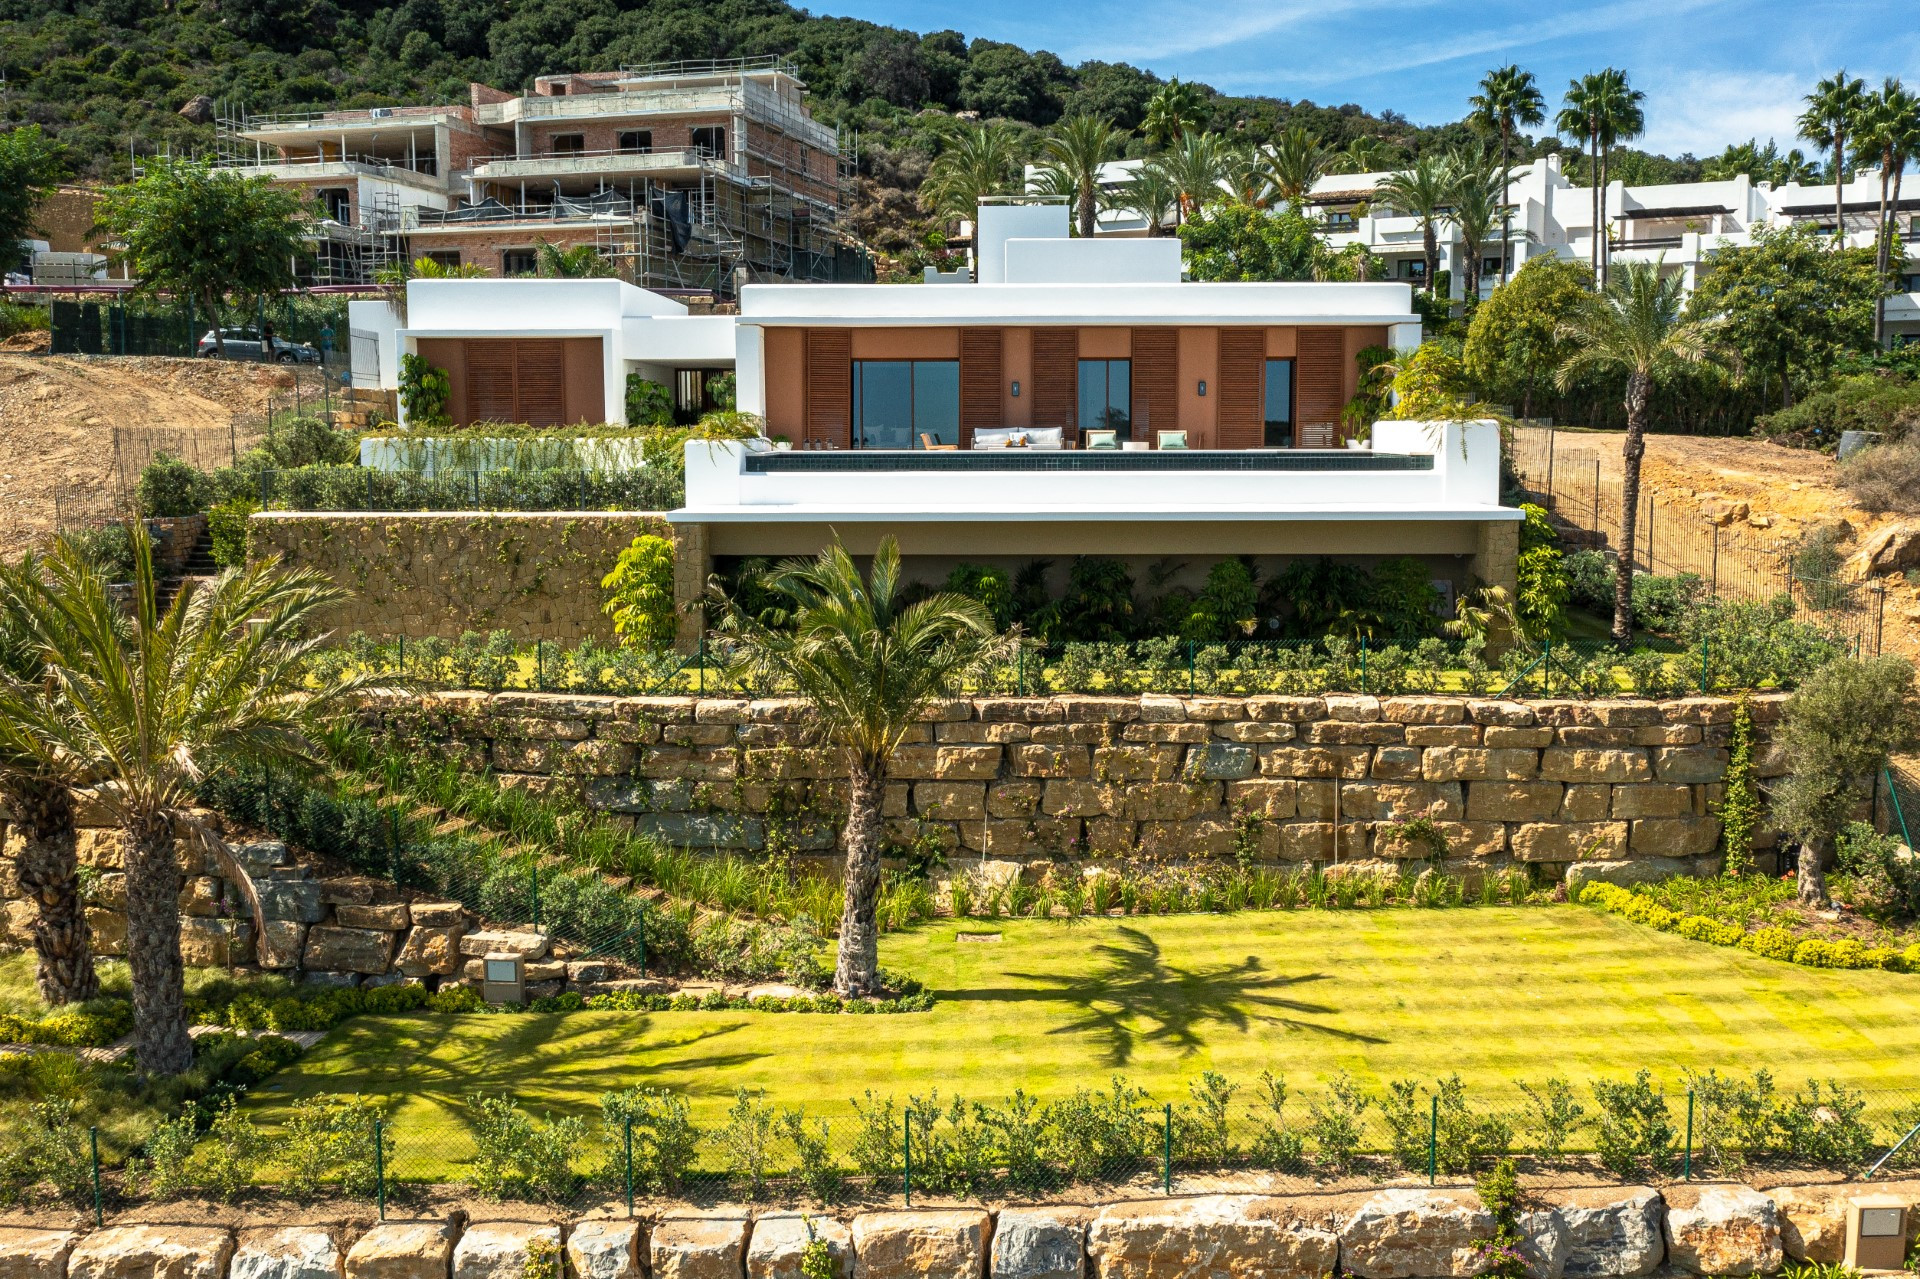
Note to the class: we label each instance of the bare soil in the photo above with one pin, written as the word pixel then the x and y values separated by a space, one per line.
pixel 57 420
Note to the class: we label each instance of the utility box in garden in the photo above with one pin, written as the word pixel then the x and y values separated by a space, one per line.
pixel 503 979
pixel 1877 1233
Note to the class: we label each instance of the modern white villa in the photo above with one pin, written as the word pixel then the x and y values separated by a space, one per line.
pixel 1079 399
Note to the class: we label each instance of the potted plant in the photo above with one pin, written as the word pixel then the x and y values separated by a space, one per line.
pixel 781 442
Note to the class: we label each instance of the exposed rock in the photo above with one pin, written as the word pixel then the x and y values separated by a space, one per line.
pixel 1724 511
pixel 439 915
pixel 291 1252
pixel 780 1239
pixel 402 1250
pixel 350 950
pixel 197 110
pixel 393 917
pixel 1039 1243
pixel 1893 549
pixel 282 897
pixel 1730 1230
pixel 35 1254
pixel 152 1252
pixel 1211 1237
pixel 698 1247
pixel 259 856
pixel 317 978
pixel 491 941
pixel 1813 1222
pixel 936 1244
pixel 430 950
pixel 502 1249
pixel 108 929
pixel 1415 1234
pixel 598 1249
pixel 1613 1233
pixel 588 972
pixel 212 943
pixel 1544 1242
pixel 281 944
pixel 1641 870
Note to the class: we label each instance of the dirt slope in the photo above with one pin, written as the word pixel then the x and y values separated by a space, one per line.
pixel 57 420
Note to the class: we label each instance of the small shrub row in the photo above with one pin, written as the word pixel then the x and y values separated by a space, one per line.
pixel 94 1024
pixel 325 1009
pixel 1772 942
pixel 714 1001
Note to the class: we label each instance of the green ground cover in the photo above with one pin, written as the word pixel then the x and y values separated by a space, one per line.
pixel 1498 995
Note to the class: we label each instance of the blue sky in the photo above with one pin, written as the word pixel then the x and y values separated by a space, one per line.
pixel 1715 71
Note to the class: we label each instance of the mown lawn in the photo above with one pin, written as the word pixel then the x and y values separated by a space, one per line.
pixel 1495 994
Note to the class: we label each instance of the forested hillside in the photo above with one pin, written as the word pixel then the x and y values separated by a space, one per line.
pixel 106 75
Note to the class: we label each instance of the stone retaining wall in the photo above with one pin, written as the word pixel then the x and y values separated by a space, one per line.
pixel 440 573
pixel 1398 1233
pixel 1620 789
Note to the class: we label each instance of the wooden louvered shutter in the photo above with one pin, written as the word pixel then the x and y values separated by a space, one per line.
pixel 1243 367
pixel 979 382
pixel 1156 381
pixel 829 394
pixel 1319 382
pixel 490 396
pixel 1056 378
pixel 540 382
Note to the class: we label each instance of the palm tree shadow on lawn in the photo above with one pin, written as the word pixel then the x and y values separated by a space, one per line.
pixel 1135 997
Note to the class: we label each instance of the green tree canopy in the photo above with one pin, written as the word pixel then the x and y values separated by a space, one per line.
pixel 1513 343
pixel 1794 304
pixel 186 227
pixel 30 164
pixel 1231 241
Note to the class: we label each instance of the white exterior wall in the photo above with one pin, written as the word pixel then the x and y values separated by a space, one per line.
pixel 373 342
pixel 999 223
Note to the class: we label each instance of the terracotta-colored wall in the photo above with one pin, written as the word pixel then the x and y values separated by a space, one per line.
pixel 1281 343
pixel 484 246
pixel 586 388
pixel 906 344
pixel 1106 343
pixel 1016 365
pixel 1199 361
pixel 786 385
pixel 604 135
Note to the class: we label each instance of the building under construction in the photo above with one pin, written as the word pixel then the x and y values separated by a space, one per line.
pixel 690 177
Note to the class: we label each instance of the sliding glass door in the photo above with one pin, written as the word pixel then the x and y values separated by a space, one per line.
pixel 897 402
pixel 1279 405
pixel 1106 396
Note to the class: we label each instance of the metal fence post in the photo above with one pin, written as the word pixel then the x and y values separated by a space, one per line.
pixel 1705 668
pixel 640 932
pixel 1363 664
pixel 1546 667
pixel 906 1161
pixel 1166 1162
pixel 533 870
pixel 1686 1164
pixel 629 1126
pixel 539 663
pixel 1020 676
pixel 380 1166
pixel 1189 668
pixel 1433 1141
pixel 93 1146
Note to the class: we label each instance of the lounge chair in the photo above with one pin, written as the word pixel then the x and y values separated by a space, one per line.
pixel 1171 439
pixel 1101 440
pixel 927 443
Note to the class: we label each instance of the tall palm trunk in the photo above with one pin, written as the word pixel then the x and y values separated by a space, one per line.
pixel 1839 199
pixel 161 1043
pixel 1639 392
pixel 50 878
pixel 1603 241
pixel 1506 205
pixel 1882 248
pixel 857 971
pixel 1430 242
pixel 1593 184
pixel 1086 210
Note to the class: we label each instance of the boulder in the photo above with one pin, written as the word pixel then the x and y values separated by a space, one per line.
pixel 210 943
pixel 430 949
pixel 600 1249
pixel 1641 870
pixel 1415 1234
pixel 393 917
pixel 1728 1230
pixel 506 1250
pixel 259 856
pixel 948 1244
pixel 152 1252
pixel 698 1247
pixel 1039 1243
pixel 1210 1237
pixel 439 915
pixel 1813 1222
pixel 348 950
pixel 282 943
pixel 290 1252
pixel 780 1241
pixel 402 1250
pixel 498 941
pixel 1544 1242
pixel 283 897
pixel 35 1254
pixel 1613 1233
pixel 197 110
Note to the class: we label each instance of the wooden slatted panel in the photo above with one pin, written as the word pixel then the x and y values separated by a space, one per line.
pixel 1156 381
pixel 1242 389
pixel 829 394
pixel 490 381
pixel 979 382
pixel 1056 378
pixel 540 382
pixel 1319 381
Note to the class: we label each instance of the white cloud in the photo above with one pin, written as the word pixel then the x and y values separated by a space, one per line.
pixel 1706 111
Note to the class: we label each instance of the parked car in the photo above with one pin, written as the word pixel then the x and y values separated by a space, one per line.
pixel 245 344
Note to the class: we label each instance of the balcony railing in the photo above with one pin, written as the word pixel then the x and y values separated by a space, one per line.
pixel 657 157
pixel 425 166
pixel 1651 242
pixel 845 461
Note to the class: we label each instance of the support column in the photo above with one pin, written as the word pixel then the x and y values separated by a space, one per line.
pixel 692 565
pixel 1496 555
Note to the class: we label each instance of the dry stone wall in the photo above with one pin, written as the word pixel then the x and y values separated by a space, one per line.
pixel 1619 1232
pixel 1619 790
pixel 420 574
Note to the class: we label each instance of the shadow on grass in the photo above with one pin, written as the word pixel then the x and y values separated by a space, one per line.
pixel 1134 997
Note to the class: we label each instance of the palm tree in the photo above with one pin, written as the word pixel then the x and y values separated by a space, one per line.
pixel 42 809
pixel 581 262
pixel 1152 194
pixel 145 703
pixel 1888 131
pixel 1363 155
pixel 1618 117
pixel 1072 157
pixel 1295 163
pixel 870 664
pixel 1579 119
pixel 1833 110
pixel 1197 166
pixel 981 161
pixel 1172 111
pixel 1249 174
pixel 1508 97
pixel 1478 198
pixel 1424 191
pixel 1637 325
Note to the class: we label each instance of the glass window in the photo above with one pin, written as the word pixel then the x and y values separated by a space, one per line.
pixel 1279 412
pixel 517 261
pixel 569 143
pixel 710 141
pixel 1106 396
pixel 895 402
pixel 636 141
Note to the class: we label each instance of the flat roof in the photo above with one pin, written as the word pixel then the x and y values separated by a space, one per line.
pixel 831 305
pixel 1241 512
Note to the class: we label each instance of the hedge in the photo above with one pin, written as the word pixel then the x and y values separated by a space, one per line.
pixel 1770 943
